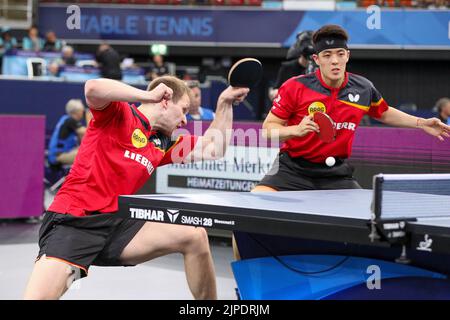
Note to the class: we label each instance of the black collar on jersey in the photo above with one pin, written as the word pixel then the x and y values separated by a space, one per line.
pixel 330 43
pixel 144 123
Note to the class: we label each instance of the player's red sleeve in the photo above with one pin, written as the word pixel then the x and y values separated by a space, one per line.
pixel 377 104
pixel 179 150
pixel 106 115
pixel 284 104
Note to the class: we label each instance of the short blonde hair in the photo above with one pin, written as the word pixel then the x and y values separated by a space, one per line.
pixel 74 105
pixel 178 86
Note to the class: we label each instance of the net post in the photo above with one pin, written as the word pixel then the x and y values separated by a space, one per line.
pixel 376 206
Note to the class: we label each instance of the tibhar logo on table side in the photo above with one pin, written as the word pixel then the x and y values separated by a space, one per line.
pixel 172 214
pixel 153 214
pixel 147 214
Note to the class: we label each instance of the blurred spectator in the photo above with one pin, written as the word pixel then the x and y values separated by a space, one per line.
pixel 196 112
pixel 158 68
pixel 53 69
pixel 7 41
pixel 213 67
pixel 128 63
pixel 68 56
pixel 67 59
pixel 433 4
pixel 68 133
pixel 439 4
pixel 109 62
pixel 443 109
pixel 32 42
pixel 52 44
pixel 299 61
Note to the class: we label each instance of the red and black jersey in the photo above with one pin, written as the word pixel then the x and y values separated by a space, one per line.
pixel 304 95
pixel 118 154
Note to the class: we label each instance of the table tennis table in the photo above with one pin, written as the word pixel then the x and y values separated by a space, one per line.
pixel 347 217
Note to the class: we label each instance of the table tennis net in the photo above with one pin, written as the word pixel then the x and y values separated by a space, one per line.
pixel 411 195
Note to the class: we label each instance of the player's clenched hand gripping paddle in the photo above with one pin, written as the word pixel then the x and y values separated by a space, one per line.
pixel 326 125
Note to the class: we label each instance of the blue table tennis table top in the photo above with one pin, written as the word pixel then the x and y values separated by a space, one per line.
pixel 352 204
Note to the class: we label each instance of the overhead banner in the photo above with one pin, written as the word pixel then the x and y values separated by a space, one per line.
pixel 166 25
pixel 265 28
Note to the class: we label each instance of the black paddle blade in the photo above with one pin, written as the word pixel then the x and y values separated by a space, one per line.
pixel 245 73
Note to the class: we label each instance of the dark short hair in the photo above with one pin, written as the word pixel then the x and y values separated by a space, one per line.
pixel 178 86
pixel 330 31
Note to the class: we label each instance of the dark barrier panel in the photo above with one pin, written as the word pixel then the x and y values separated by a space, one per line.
pixel 22 166
pixel 38 97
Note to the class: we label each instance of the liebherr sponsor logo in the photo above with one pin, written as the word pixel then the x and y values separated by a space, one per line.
pixel 139 158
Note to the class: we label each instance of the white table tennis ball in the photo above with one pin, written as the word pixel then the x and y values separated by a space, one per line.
pixel 330 161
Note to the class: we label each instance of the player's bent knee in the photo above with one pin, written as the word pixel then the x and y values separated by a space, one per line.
pixel 200 236
pixel 198 240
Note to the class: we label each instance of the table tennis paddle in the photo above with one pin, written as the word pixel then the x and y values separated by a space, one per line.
pixel 326 125
pixel 245 73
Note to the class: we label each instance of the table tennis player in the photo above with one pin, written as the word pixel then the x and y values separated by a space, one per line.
pixel 310 157
pixel 120 150
pixel 345 98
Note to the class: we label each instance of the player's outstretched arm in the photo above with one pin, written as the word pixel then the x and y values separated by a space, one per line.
pixel 432 126
pixel 213 144
pixel 100 92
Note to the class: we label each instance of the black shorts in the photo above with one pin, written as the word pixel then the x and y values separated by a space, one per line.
pixel 97 239
pixel 290 174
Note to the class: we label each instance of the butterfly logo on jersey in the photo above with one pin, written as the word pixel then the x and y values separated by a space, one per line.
pixel 161 141
pixel 353 98
pixel 138 139
pixel 316 106
pixel 156 142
